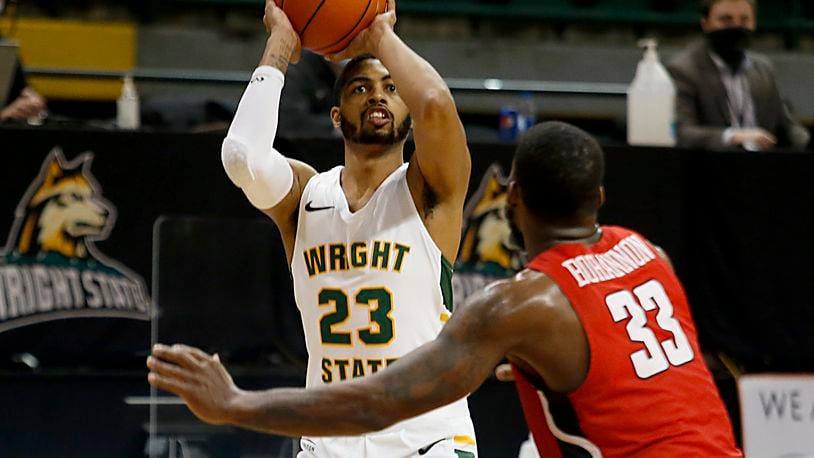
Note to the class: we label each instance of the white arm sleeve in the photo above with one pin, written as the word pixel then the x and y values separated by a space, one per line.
pixel 247 153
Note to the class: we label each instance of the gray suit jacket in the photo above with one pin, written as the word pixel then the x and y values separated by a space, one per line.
pixel 702 112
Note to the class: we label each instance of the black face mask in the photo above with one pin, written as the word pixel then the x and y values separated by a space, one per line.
pixel 730 44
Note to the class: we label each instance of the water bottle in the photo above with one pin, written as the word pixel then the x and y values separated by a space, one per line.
pixel 526 113
pixel 651 102
pixel 507 127
pixel 127 107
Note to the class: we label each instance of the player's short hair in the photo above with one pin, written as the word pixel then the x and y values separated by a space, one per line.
pixel 705 6
pixel 347 73
pixel 559 169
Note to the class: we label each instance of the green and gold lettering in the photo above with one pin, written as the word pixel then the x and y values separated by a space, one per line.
pixel 381 255
pixel 358 254
pixel 327 376
pixel 374 364
pixel 342 364
pixel 339 259
pixel 358 368
pixel 401 250
pixel 315 260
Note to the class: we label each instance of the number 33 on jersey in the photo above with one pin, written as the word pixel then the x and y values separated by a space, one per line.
pixel 657 356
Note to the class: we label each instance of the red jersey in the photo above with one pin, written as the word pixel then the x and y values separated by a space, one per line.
pixel 648 392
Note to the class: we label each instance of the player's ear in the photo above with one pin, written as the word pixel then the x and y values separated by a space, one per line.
pixel 336 117
pixel 600 198
pixel 513 193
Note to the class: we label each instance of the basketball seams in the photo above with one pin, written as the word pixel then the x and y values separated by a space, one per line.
pixel 320 22
pixel 313 15
pixel 350 32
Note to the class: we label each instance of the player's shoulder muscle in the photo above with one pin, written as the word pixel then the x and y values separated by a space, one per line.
pixel 529 298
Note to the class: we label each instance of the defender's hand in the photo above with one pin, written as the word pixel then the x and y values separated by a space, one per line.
pixel 281 32
pixel 368 39
pixel 199 379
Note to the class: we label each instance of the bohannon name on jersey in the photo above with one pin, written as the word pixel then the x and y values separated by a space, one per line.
pixel 630 254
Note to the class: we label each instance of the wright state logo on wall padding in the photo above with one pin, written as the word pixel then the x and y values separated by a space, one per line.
pixel 488 251
pixel 50 268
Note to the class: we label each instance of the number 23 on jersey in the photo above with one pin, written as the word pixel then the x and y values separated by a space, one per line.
pixel 378 301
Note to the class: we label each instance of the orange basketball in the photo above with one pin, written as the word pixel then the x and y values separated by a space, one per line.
pixel 328 26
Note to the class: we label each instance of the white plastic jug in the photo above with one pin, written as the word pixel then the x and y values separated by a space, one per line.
pixel 128 114
pixel 651 102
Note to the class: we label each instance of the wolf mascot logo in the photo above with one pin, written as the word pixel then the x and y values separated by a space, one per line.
pixel 487 253
pixel 51 268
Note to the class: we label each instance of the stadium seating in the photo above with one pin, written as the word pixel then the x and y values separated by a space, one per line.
pixel 792 16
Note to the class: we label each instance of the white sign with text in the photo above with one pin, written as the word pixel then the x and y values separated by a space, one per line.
pixel 777 414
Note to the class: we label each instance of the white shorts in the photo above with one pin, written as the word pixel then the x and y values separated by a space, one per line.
pixel 405 443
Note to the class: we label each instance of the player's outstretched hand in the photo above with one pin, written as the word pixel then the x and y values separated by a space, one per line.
pixel 368 40
pixel 199 379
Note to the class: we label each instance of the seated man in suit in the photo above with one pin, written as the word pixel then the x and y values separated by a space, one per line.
pixel 727 97
pixel 24 103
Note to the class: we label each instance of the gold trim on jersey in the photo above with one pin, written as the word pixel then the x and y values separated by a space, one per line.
pixel 468 440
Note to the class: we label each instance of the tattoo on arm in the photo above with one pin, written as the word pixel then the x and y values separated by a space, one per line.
pixel 279 62
pixel 278 52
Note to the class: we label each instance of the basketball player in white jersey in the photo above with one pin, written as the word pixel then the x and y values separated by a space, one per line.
pixel 368 242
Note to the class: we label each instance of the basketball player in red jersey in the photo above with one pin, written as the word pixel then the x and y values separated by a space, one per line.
pixel 598 314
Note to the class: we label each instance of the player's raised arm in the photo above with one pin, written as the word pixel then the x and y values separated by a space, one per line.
pixel 441 151
pixel 441 371
pixel 271 182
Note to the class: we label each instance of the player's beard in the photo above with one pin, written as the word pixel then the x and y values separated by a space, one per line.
pixel 365 134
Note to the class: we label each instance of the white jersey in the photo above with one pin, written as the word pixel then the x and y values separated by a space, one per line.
pixel 371 285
